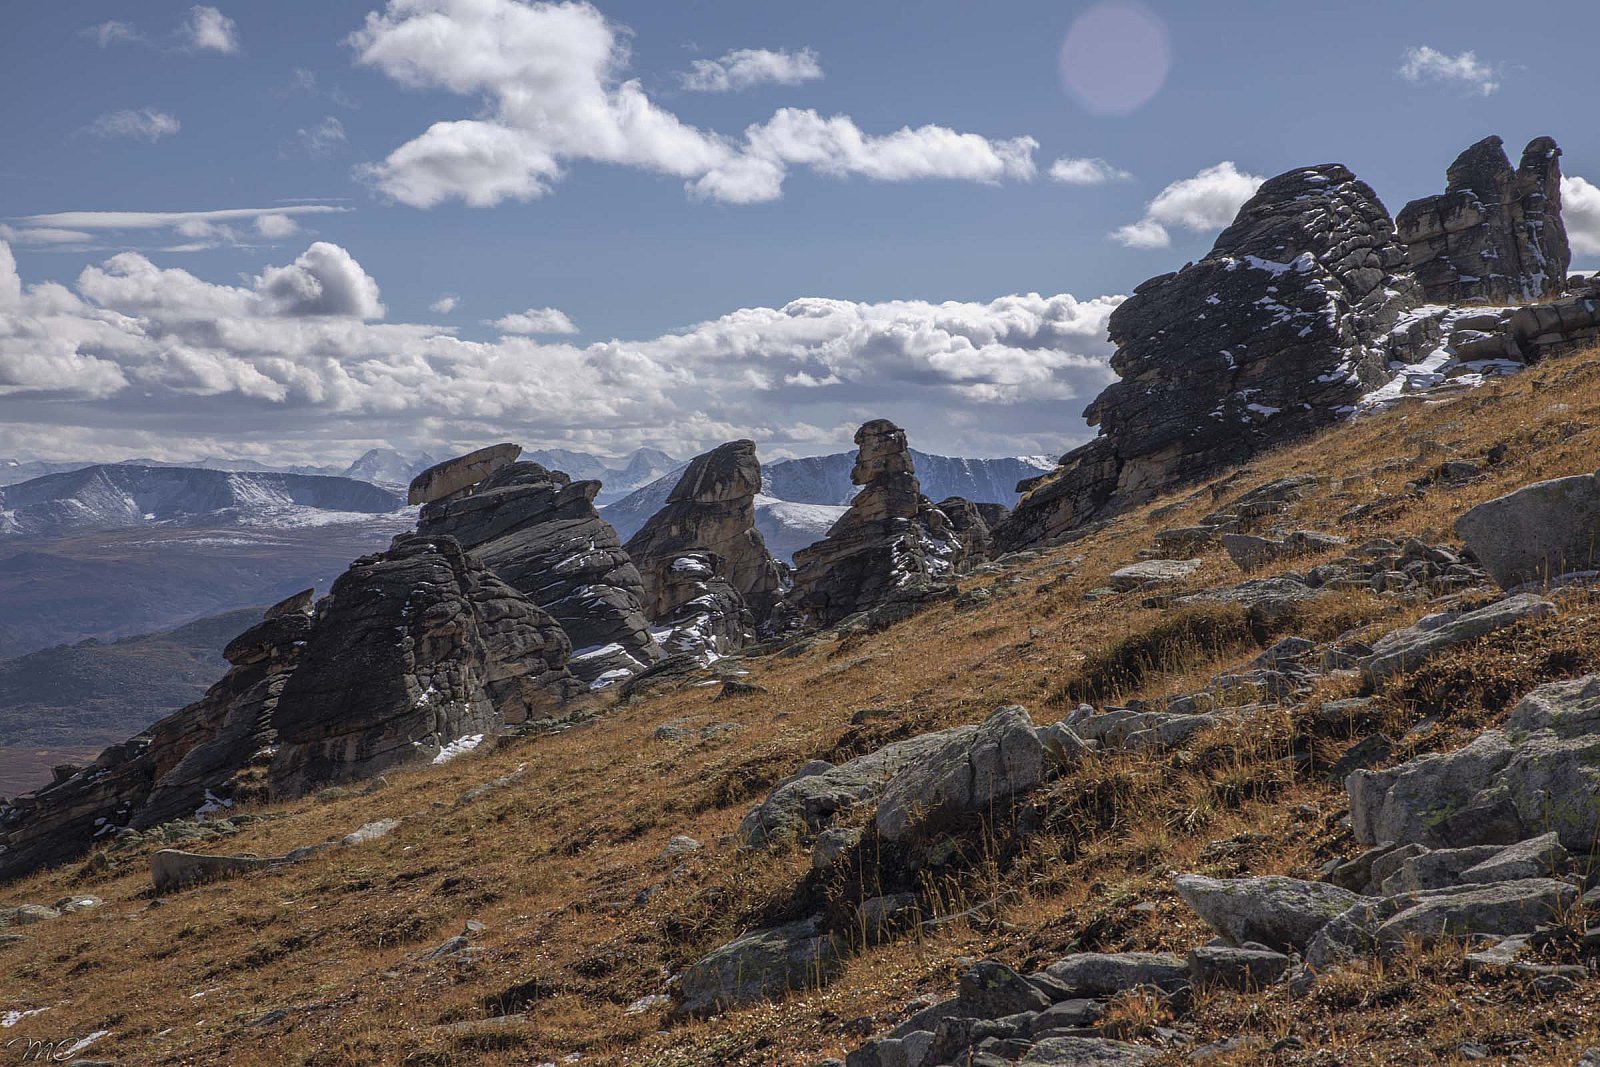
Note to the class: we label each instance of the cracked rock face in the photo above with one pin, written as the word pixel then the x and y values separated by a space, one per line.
pixel 414 648
pixel 208 753
pixel 711 512
pixel 540 533
pixel 1495 235
pixel 1275 333
pixel 892 543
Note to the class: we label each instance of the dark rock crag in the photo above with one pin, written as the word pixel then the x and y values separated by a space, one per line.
pixel 208 753
pixel 539 531
pixel 1277 332
pixel 892 545
pixel 414 648
pixel 1495 235
pixel 711 512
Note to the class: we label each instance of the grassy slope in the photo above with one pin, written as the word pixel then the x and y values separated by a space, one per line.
pixel 554 865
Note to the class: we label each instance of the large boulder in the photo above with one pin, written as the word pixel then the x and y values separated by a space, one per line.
pixel 711 511
pixel 1001 759
pixel 1540 773
pixel 892 544
pixel 415 648
pixel 760 965
pixel 1282 913
pixel 1538 532
pixel 540 533
pixel 1409 647
pixel 453 475
pixel 206 755
pixel 803 803
pixel 1495 235
pixel 1275 333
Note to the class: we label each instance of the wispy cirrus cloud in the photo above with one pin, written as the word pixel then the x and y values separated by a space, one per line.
pixel 113 31
pixel 745 68
pixel 141 124
pixel 1071 171
pixel 1465 70
pixel 184 231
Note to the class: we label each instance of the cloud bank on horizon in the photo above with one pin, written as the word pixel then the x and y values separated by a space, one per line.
pixel 135 357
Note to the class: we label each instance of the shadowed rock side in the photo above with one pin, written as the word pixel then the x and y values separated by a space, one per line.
pixel 413 649
pixel 892 545
pixel 712 510
pixel 1274 334
pixel 539 531
pixel 1495 234
pixel 212 751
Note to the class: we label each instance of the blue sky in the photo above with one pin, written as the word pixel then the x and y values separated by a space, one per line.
pixel 647 238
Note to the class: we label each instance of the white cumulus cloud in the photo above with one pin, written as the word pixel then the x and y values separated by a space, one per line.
pixel 1204 203
pixel 143 124
pixel 552 80
pixel 445 304
pixel 1580 210
pixel 209 30
pixel 1424 64
pixel 744 68
pixel 535 321
pixel 1086 172
pixel 298 357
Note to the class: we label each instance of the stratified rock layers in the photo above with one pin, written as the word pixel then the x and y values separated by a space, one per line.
pixel 539 531
pixel 1495 234
pixel 1273 334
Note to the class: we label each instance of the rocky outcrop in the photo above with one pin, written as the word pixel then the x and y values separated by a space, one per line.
pixel 973 525
pixel 1406 649
pixel 203 756
pixel 1277 332
pixel 710 619
pixel 446 479
pixel 710 516
pixel 1495 235
pixel 540 533
pixel 972 774
pixel 892 544
pixel 761 964
pixel 1538 533
pixel 414 648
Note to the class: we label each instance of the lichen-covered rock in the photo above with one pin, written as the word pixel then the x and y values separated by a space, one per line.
pixel 1495 234
pixel 1100 974
pixel 1540 773
pixel 759 965
pixel 206 755
pixel 804 802
pixel 1538 532
pixel 1281 913
pixel 1001 759
pixel 414 648
pixel 453 475
pixel 540 533
pixel 711 511
pixel 1274 334
pixel 1409 647
pixel 1086 1052
pixel 892 543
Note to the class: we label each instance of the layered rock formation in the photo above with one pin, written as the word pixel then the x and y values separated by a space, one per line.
pixel 1275 333
pixel 414 648
pixel 1495 235
pixel 711 511
pixel 450 477
pixel 539 531
pixel 210 752
pixel 892 545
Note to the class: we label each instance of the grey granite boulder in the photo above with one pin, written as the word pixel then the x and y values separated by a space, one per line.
pixel 1002 758
pixel 1408 648
pixel 1499 909
pixel 1538 532
pixel 1098 974
pixel 803 803
pixel 1540 773
pixel 760 965
pixel 1086 1052
pixel 1281 913
pixel 990 990
pixel 1212 966
pixel 1151 572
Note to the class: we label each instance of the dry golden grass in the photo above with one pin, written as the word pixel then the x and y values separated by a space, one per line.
pixel 556 865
